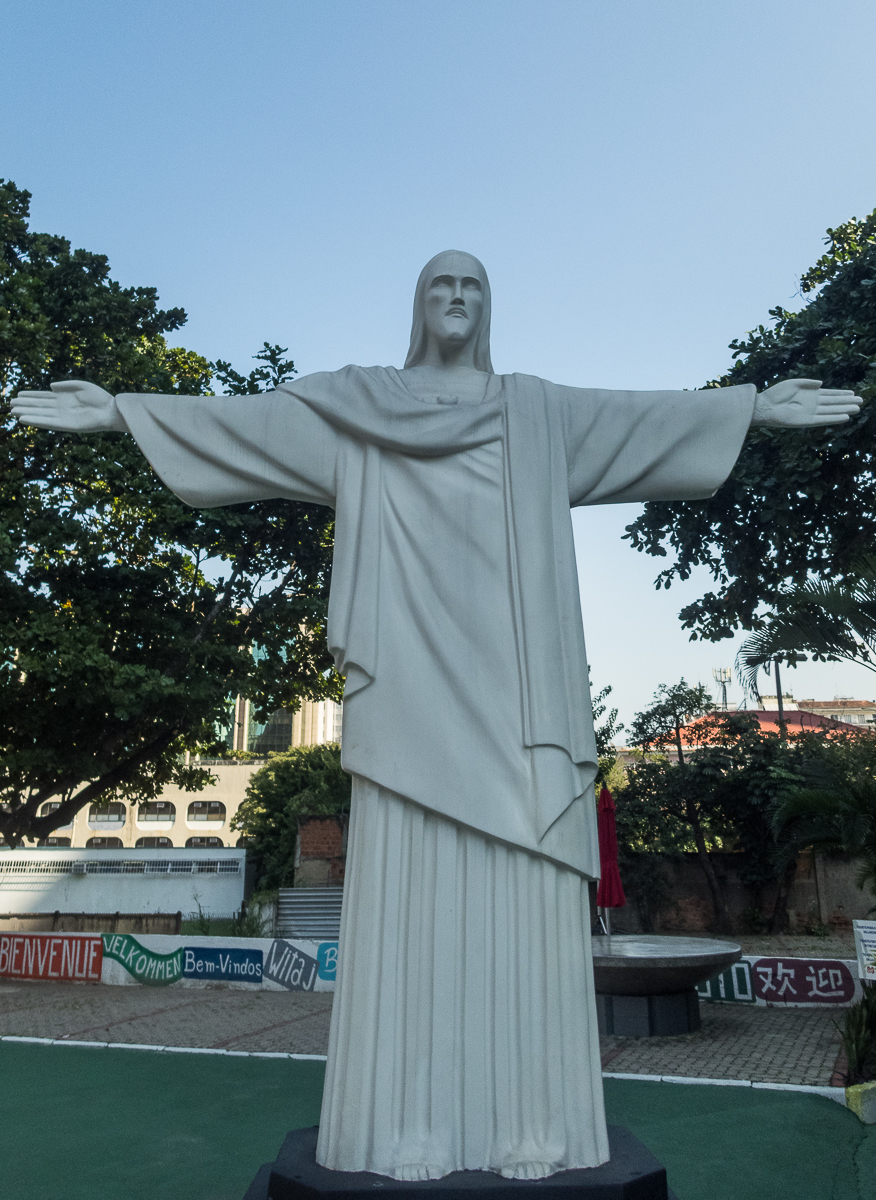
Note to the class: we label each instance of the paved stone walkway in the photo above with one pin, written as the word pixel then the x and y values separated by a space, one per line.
pixel 765 1045
pixel 219 1018
pixel 736 1041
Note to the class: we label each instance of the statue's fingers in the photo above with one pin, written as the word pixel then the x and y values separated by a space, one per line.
pixel 40 420
pixel 837 410
pixel 37 416
pixel 833 419
pixel 33 395
pixel 35 408
pixel 800 383
pixel 68 385
pixel 846 404
pixel 840 394
pixel 36 403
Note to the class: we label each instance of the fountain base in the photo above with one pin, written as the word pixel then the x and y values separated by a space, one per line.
pixel 649 1016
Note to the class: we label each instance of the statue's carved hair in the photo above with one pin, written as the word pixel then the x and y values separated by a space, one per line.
pixel 417 349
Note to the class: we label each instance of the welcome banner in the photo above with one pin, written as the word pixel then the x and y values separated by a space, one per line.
pixel 274 964
pixel 66 957
pixel 144 965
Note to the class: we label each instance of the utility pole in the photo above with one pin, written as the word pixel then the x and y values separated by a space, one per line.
pixel 791 659
pixel 783 728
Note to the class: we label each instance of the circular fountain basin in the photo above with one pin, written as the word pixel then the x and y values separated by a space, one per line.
pixel 643 964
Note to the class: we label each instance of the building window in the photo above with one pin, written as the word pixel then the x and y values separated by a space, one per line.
pixel 103 843
pixel 204 843
pixel 272 737
pixel 244 841
pixel 206 810
pixel 156 810
pixel 55 841
pixel 50 806
pixel 111 814
pixel 153 843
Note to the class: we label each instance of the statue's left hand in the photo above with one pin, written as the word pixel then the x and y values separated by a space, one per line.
pixel 799 403
pixel 72 404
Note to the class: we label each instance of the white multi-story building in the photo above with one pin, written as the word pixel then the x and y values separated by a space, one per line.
pixel 202 820
pixel 842 708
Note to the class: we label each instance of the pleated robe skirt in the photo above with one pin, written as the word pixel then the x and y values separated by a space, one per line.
pixel 463 1034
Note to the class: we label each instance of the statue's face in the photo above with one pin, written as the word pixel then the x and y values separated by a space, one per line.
pixel 454 301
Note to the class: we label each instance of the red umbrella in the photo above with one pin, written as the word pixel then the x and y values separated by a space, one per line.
pixel 610 893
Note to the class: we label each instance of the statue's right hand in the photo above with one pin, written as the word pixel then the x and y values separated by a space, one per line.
pixel 70 405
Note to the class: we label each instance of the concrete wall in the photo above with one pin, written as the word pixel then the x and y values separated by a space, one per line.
pixel 123 881
pixel 59 922
pixel 823 893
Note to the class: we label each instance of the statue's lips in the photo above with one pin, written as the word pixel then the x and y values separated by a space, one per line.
pixel 456 312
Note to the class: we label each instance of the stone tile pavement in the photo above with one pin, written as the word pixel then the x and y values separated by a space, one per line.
pixel 219 1018
pixel 736 1041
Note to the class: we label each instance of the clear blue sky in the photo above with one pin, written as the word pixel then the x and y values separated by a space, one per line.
pixel 642 181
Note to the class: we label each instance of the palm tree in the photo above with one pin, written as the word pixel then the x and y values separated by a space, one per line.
pixel 832 620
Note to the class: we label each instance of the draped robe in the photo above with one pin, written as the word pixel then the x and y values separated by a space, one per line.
pixel 388 462
pixel 463 1029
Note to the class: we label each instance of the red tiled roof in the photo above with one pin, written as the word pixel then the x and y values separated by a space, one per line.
pixel 795 719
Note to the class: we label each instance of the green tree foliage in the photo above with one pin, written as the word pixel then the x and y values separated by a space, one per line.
pixel 650 847
pixel 797 504
pixel 126 618
pixel 661 726
pixel 835 811
pixel 716 794
pixel 305 782
pixel 605 732
pixel 658 786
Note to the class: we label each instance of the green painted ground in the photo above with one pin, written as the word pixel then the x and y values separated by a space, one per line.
pixel 78 1124
pixel 725 1143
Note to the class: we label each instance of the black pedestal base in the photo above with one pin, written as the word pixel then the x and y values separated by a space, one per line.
pixel 632 1174
pixel 648 1016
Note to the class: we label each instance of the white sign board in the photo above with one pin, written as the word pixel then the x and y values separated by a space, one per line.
pixel 865 948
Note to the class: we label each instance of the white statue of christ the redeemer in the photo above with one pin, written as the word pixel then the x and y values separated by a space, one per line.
pixel 464 1027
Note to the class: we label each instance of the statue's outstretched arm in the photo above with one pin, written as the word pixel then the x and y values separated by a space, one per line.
pixel 70 405
pixel 799 403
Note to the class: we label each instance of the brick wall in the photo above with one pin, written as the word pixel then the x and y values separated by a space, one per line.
pixel 322 851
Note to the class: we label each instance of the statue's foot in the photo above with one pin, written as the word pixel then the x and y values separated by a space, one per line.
pixel 529 1170
pixel 417 1172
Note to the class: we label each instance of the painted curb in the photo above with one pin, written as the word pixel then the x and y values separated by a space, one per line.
pixel 861 1099
pixel 166 1049
pixel 837 1094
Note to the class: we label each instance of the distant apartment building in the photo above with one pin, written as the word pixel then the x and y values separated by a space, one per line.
pixel 314 723
pixel 842 708
pixel 201 820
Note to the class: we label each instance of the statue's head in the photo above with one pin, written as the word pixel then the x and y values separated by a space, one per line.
pixel 452 306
